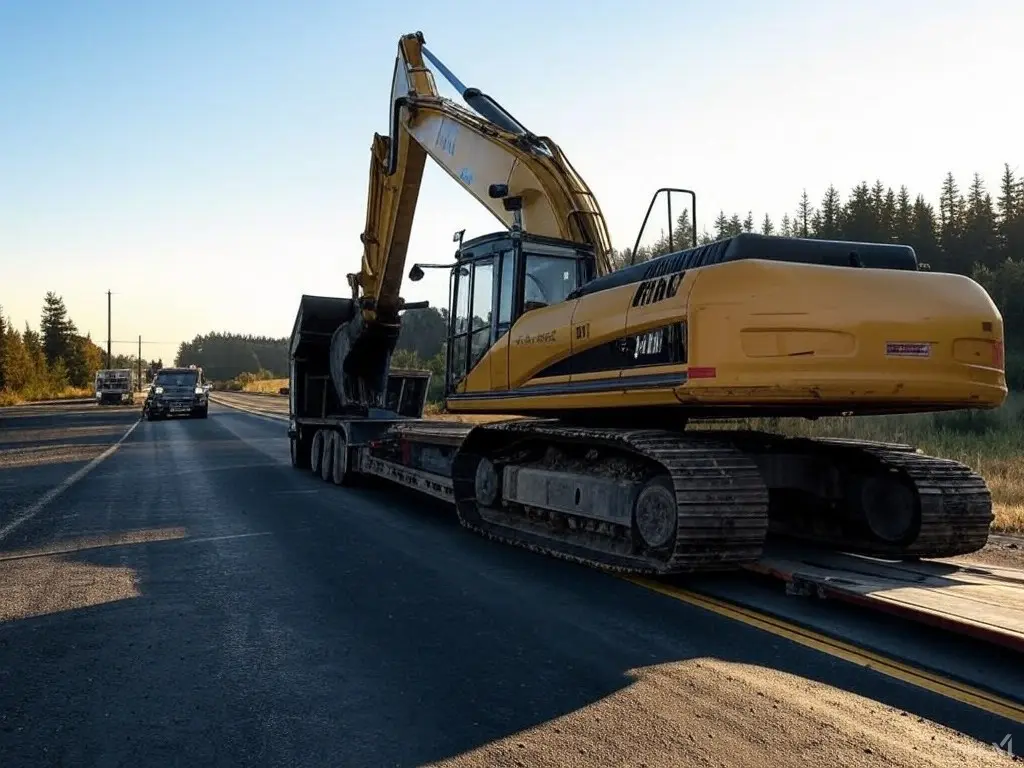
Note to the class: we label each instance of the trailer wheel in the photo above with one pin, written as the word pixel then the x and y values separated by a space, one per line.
pixel 316 452
pixel 327 460
pixel 341 475
pixel 300 450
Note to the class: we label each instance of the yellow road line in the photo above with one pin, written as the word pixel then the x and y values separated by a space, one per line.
pixel 953 689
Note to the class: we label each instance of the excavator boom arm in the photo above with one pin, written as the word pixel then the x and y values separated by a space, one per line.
pixel 479 148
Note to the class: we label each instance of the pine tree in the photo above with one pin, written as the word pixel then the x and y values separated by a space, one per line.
pixel 887 217
pixel 924 235
pixel 804 216
pixel 878 197
pixel 830 221
pixel 903 219
pixel 721 226
pixel 981 235
pixel 767 228
pixel 748 223
pixel 682 234
pixel 951 220
pixel 1010 207
pixel 859 220
pixel 735 225
pixel 56 329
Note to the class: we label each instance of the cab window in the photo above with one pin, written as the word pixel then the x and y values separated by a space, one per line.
pixel 471 324
pixel 549 280
pixel 483 294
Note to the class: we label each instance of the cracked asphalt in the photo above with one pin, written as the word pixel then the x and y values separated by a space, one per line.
pixel 193 600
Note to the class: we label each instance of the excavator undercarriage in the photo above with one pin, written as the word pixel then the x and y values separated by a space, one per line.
pixel 658 502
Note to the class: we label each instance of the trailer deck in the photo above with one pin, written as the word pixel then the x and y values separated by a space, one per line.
pixel 981 601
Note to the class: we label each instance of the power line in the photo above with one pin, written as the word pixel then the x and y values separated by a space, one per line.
pixel 135 341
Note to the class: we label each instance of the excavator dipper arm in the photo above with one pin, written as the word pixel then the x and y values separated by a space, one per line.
pixel 493 157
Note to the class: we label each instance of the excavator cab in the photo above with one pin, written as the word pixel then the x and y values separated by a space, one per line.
pixel 499 277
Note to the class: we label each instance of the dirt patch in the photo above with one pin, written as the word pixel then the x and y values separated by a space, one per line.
pixel 11 436
pixel 714 713
pixel 50 579
pixel 37 456
pixel 1004 551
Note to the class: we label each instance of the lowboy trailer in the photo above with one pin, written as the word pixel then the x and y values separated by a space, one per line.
pixel 396 443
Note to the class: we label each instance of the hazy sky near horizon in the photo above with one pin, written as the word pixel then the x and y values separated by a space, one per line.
pixel 207 160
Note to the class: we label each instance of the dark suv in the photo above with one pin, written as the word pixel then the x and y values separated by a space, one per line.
pixel 177 392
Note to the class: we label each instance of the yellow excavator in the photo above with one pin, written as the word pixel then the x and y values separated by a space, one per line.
pixel 611 371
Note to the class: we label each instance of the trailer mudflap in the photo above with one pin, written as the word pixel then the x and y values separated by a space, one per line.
pixel 981 601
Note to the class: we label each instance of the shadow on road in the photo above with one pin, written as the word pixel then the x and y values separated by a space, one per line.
pixel 295 622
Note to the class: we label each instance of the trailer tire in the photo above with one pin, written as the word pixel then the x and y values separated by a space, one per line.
pixel 316 452
pixel 300 450
pixel 327 460
pixel 341 474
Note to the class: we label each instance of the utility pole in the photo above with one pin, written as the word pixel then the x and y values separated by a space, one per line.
pixel 139 381
pixel 109 337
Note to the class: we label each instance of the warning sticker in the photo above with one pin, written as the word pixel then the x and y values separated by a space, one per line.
pixel 908 348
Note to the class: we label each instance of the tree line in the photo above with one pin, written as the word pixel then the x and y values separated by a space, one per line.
pixel 229 356
pixel 968 232
pixel 47 363
pixel 225 356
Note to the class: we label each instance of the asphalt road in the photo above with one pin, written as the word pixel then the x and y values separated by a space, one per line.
pixel 193 600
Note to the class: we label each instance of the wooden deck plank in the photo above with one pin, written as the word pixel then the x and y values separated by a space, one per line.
pixel 982 601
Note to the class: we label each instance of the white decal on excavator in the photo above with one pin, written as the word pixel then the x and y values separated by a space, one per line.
pixel 447 136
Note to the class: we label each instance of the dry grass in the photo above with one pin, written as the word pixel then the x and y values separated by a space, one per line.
pixel 1006 479
pixel 266 386
pixel 67 393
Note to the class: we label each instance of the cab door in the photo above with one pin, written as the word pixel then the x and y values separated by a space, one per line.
pixel 505 284
pixel 472 329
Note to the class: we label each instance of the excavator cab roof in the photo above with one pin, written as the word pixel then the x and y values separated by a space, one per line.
pixel 496 242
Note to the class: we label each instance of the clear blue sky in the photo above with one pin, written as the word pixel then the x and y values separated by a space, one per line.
pixel 207 161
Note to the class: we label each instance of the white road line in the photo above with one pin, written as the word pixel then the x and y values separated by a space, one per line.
pixel 226 536
pixel 34 509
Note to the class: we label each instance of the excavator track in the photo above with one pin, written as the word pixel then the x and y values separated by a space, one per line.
pixel 955 504
pixel 721 501
pixel 724 498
